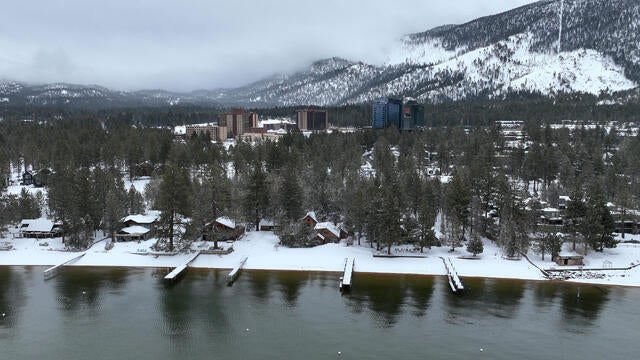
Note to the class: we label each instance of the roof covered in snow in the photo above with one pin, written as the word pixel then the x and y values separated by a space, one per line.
pixel 36 225
pixel 141 219
pixel 328 226
pixel 225 221
pixel 312 215
pixel 274 122
pixel 134 230
pixel 264 222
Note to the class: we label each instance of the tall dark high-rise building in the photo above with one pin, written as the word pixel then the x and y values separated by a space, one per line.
pixel 412 115
pixel 312 120
pixel 386 112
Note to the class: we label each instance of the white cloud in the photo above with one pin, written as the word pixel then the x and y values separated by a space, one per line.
pixel 184 45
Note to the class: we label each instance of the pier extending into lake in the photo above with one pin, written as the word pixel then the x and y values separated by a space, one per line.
pixel 345 282
pixel 54 270
pixel 180 270
pixel 233 275
pixel 454 280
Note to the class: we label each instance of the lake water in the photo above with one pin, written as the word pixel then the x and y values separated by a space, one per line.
pixel 87 313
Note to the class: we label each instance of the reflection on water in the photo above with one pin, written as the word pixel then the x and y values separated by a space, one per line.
pixel 581 306
pixel 81 288
pixel 289 285
pixel 486 297
pixel 124 313
pixel 259 283
pixel 11 300
pixel 386 295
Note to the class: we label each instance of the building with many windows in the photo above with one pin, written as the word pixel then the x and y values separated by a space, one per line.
pixel 312 120
pixel 405 116
pixel 215 131
pixel 238 121
pixel 386 112
pixel 412 115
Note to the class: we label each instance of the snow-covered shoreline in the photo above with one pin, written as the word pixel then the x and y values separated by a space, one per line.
pixel 264 254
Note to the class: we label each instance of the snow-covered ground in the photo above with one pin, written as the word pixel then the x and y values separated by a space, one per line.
pixel 264 254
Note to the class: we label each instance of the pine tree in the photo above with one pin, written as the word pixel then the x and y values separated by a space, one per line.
pixel 174 199
pixel 475 245
pixel 135 201
pixel 115 210
pixel 256 196
pixel 290 195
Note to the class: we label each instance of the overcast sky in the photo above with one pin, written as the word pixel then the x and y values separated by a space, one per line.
pixel 204 44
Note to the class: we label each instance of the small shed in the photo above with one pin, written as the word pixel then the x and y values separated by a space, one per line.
pixel 569 260
pixel 266 225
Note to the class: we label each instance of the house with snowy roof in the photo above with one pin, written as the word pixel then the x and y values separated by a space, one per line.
pixel 328 230
pixel 146 220
pixel 310 218
pixel 224 229
pixel 40 228
pixel 133 233
pixel 266 225
pixel 138 227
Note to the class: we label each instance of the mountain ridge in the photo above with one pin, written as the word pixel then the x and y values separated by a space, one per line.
pixel 489 57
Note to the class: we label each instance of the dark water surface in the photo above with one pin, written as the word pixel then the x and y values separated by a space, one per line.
pixel 87 313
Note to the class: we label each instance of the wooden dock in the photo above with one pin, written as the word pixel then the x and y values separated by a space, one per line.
pixel 233 275
pixel 54 270
pixel 346 280
pixel 180 270
pixel 454 280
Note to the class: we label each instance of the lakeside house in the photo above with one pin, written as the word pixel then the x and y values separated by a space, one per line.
pixel 138 227
pixel 224 228
pixel 133 233
pixel 40 228
pixel 328 231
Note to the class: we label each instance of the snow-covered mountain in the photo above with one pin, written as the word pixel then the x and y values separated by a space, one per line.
pixel 547 47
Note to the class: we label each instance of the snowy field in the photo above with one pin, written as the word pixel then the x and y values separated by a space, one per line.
pixel 264 254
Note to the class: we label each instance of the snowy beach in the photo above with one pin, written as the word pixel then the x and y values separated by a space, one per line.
pixel 264 253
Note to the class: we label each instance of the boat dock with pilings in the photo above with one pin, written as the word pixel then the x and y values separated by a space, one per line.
pixel 454 280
